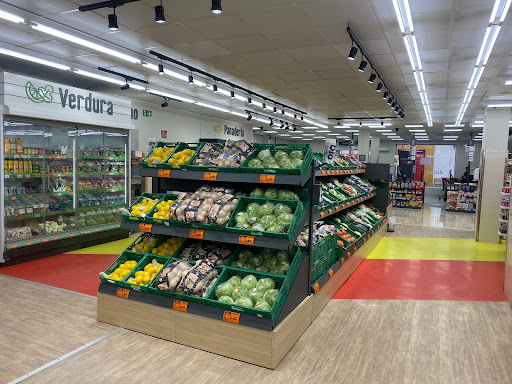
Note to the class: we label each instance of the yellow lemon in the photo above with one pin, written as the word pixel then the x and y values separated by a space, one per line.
pixel 138 279
pixel 146 279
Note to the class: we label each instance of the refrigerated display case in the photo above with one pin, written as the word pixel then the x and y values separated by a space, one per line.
pixel 62 181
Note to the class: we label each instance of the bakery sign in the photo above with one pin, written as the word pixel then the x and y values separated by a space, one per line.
pixel 230 131
pixel 32 97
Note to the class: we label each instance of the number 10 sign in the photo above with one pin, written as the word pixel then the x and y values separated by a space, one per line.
pixel 330 151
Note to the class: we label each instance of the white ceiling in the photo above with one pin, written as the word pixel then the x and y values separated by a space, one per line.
pixel 292 50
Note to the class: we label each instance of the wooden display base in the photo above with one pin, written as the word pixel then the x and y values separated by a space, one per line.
pixel 255 346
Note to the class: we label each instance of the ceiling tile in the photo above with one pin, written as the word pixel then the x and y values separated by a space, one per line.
pixel 202 49
pixel 270 57
pixel 223 27
pixel 313 53
pixel 172 34
pixel 247 44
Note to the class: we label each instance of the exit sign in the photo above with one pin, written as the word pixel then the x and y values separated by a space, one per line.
pixel 147 113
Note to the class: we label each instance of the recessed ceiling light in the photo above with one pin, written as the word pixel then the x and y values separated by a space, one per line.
pixel 453 130
pixel 351 130
pixel 416 130
pixel 309 127
pixel 384 130
pixel 307 139
pixel 308 134
pixel 323 131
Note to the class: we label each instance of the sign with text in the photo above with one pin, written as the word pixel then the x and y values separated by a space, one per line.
pixel 329 151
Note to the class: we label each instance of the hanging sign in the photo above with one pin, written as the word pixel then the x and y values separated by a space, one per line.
pixel 329 151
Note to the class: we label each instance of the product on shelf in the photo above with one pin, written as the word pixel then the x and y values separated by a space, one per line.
pixel 159 154
pixel 280 159
pixel 143 277
pixel 143 244
pixel 320 230
pixel 267 216
pixel 168 247
pixel 231 155
pixel 181 157
pixel 163 209
pixel 143 207
pixel 122 270
pixel 248 292
pixel 273 193
pixel 181 277
pixel 264 260
pixel 215 253
pixel 208 155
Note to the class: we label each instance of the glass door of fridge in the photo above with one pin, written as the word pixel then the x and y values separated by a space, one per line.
pixel 116 182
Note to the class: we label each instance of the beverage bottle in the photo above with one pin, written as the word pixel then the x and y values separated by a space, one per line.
pixel 7 146
pixel 19 146
pixel 15 170
pixel 13 145
pixel 11 166
pixel 29 166
pixel 25 166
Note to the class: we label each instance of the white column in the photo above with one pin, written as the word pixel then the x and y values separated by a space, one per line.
pixel 492 168
pixel 374 148
pixel 363 143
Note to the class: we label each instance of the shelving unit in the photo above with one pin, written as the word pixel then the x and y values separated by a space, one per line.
pixel 505 200
pixel 275 338
pixel 407 195
pixel 461 197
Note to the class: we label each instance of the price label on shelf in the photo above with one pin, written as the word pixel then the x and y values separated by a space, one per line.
pixel 123 292
pixel 331 273
pixel 143 227
pixel 211 176
pixel 164 173
pixel 19 176
pixel 342 261
pixel 337 209
pixel 316 287
pixel 268 179
pixel 196 234
pixel 322 215
pixel 179 305
pixel 246 240
pixel 232 317
pixel 330 211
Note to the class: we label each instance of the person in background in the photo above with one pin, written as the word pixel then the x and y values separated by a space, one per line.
pixel 465 176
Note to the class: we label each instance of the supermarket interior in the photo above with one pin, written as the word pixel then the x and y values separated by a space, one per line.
pixel 292 191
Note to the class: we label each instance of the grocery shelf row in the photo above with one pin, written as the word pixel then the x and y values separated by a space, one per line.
pixel 338 172
pixel 342 206
pixel 59 156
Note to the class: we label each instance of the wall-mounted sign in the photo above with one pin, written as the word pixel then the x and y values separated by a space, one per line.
pixel 27 96
pixel 329 151
pixel 147 113
pixel 163 134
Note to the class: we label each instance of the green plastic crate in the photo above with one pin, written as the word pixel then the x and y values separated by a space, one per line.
pixel 288 148
pixel 323 246
pixel 297 209
pixel 149 217
pixel 274 312
pixel 180 147
pixel 144 195
pixel 140 267
pixel 125 256
pixel 162 240
pixel 140 239
pixel 144 162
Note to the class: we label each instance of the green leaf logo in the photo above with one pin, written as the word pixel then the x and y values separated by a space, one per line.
pixel 39 95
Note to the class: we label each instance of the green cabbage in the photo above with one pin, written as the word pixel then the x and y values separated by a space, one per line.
pixel 239 292
pixel 270 263
pixel 263 305
pixel 241 217
pixel 253 208
pixel 285 163
pixel 271 296
pixel 258 227
pixel 281 208
pixel 255 295
pixel 235 281
pixel 264 154
pixel 266 209
pixel 272 165
pixel 271 193
pixel 238 264
pixel 242 225
pixel 265 284
pixel 257 260
pixel 226 299
pixel 261 268
pixel 277 270
pixel 285 219
pixel 245 254
pixel 282 256
pixel 296 163
pixel 258 192
pixel 248 282
pixel 276 228
pixel 280 155
pixel 267 220
pixel 224 289
pixel 297 155
pixel 250 266
pixel 285 195
pixel 267 253
pixel 252 218
pixel 255 163
pixel 284 265
pixel 268 161
pixel 244 302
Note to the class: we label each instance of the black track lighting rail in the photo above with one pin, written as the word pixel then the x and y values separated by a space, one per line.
pixel 283 124
pixel 366 56
pixel 126 77
pixel 220 80
pixel 362 118
pixel 105 4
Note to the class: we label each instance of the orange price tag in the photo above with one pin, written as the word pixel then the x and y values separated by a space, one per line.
pixel 179 305
pixel 316 287
pixel 268 179
pixel 246 240
pixel 232 317
pixel 337 209
pixel 143 227
pixel 342 206
pixel 330 211
pixel 29 243
pixel 164 173
pixel 364 240
pixel 337 172
pixel 348 255
pixel 29 196
pixel 52 214
pixel 20 217
pixel 211 176
pixel 13 197
pixel 342 261
pixel 331 273
pixel 323 173
pixel 123 292
pixel 55 237
pixel 45 240
pixel 355 249
pixel 196 234
pixel 322 215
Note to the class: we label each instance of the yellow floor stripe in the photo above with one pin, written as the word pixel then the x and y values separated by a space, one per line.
pixel 114 248
pixel 413 248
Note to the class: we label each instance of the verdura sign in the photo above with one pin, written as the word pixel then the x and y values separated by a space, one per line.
pixel 69 99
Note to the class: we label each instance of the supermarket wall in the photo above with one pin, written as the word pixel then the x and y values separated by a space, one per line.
pixel 181 126
pixel 461 161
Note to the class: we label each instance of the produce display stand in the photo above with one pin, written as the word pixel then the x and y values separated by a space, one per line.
pixel 253 339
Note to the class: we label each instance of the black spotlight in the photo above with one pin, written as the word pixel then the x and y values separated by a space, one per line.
pixel 271 122
pixel 282 124
pixel 403 116
pixel 125 87
pixel 112 21
pixel 161 69
pixel 390 100
pixel 372 78
pixel 379 87
pixel 232 94
pixel 263 105
pixel 397 108
pixel 352 54
pixel 382 122
pixel 295 116
pixel 275 109
pixel 216 7
pixel 190 79
pixel 159 13
pixel 215 89
pixel 249 117
pixel 249 100
pixel 393 105
pixel 362 66
pixel 282 112
pixel 385 95
pixel 360 123
pixel 165 103
pixel 294 128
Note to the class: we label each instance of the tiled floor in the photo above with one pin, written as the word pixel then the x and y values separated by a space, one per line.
pixel 433 217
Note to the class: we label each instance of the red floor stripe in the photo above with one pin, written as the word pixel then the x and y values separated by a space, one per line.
pixel 75 272
pixel 425 280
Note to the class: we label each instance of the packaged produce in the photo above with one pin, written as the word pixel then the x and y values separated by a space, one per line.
pixel 168 247
pixel 252 293
pixel 215 253
pixel 208 155
pixel 280 159
pixel 159 154
pixel 234 153
pixel 263 260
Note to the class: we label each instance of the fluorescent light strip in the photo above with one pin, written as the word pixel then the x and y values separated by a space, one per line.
pixel 34 59
pixel 499 105
pixel 420 134
pixel 414 126
pixel 416 130
pixel 319 137
pixel 85 43
pixel 323 131
pixel 100 77
pixel 238 114
pixel 453 130
pixel 308 134
pixel 341 126
pixel 351 130
pixel 269 132
pixel 170 95
pixel 309 128
pixel 307 139
pixel 296 137
pixel 450 137
pixel 397 139
pixel 389 134
pixel 384 130
pixel 10 17
pixel 403 14
pixel 491 34
pixel 332 134
pixel 284 134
